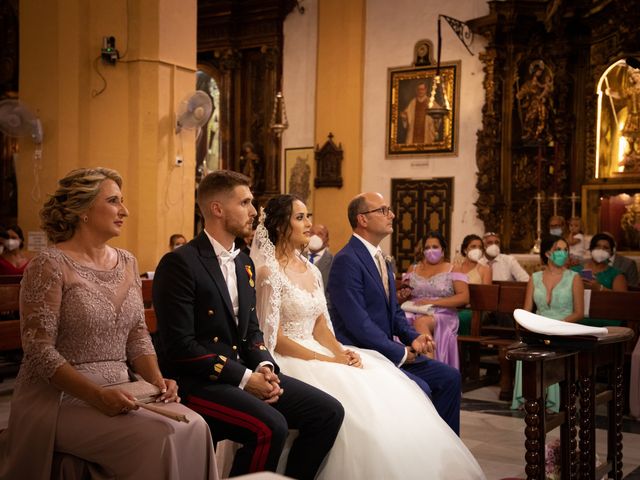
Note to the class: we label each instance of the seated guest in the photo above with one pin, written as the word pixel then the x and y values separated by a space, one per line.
pixel 205 300
pixel 472 251
pixel 82 322
pixel 504 267
pixel 319 253
pixel 576 241
pixel 293 314
pixel 365 313
pixel 434 281
pixel 13 260
pixel 596 273
pixel 557 226
pixel 557 293
pixel 176 241
pixel 626 265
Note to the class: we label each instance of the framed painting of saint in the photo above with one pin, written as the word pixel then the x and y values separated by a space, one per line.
pixel 422 117
pixel 299 172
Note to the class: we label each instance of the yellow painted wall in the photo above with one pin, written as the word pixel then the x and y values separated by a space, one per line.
pixel 340 74
pixel 129 126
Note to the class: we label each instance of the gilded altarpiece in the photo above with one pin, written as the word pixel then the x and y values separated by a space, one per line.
pixel 542 64
pixel 420 206
pixel 240 47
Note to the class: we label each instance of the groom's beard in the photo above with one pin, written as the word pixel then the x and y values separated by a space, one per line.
pixel 238 229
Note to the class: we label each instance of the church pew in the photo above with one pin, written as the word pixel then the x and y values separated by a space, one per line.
pixel 147 287
pixel 482 298
pixel 9 279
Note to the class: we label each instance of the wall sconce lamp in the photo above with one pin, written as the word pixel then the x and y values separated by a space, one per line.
pixel 279 122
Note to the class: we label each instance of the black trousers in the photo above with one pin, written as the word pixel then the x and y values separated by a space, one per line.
pixel 262 428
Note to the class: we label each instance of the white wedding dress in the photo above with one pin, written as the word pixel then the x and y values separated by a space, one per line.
pixel 391 429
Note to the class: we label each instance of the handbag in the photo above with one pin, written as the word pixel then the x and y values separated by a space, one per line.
pixel 142 390
pixel 412 307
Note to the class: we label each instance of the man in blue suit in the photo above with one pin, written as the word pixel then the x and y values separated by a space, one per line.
pixel 365 312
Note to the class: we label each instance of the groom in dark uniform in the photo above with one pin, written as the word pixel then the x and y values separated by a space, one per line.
pixel 210 341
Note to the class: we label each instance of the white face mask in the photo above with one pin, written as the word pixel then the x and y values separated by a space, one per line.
pixel 599 255
pixel 493 250
pixel 557 231
pixel 12 244
pixel 475 254
pixel 315 243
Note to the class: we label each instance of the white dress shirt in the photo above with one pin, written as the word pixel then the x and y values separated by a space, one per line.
pixel 228 268
pixel 505 268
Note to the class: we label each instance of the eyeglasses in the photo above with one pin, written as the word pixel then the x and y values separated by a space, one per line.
pixel 386 211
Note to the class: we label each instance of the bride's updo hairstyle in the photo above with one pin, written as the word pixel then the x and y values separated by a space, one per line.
pixel 278 218
pixel 76 193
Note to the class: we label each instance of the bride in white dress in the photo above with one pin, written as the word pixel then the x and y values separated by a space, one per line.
pixel 391 429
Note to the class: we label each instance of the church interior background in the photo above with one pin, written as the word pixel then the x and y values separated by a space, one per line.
pixel 547 105
pixel 544 112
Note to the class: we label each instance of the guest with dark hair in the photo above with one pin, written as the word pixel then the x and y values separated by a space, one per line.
pixel 626 265
pixel 82 322
pixel 298 330
pixel 176 241
pixel 557 293
pixel 205 301
pixel 472 250
pixel 436 282
pixel 13 260
pixel 596 273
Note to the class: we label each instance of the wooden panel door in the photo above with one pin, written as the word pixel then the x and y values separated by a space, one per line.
pixel 420 206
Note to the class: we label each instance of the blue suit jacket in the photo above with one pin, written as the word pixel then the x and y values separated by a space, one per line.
pixel 361 314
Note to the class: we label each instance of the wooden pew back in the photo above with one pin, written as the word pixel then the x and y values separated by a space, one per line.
pixel 615 306
pixel 482 298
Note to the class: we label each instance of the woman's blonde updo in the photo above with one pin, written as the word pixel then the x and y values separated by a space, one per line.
pixel 76 193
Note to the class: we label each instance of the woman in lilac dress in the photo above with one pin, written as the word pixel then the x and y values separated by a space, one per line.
pixel 434 281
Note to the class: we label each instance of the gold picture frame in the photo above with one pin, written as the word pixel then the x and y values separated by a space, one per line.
pixel 299 172
pixel 436 97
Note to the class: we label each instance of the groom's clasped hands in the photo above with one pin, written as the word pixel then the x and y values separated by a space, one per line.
pixel 265 385
pixel 423 344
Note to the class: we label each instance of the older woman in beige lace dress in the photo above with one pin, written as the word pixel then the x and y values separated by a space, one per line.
pixel 82 322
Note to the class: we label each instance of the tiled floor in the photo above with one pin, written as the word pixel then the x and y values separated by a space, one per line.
pixel 493 433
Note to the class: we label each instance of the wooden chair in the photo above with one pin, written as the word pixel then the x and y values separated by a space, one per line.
pixel 483 298
pixel 147 288
pixel 9 279
pixel 502 339
pixel 10 326
pixel 10 340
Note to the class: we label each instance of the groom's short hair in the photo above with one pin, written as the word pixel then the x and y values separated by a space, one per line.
pixel 220 181
pixel 357 205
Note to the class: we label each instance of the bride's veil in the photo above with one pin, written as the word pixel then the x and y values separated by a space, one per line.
pixel 268 283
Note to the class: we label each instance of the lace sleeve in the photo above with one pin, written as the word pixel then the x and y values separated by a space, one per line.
pixel 40 298
pixel 138 341
pixel 268 297
pixel 325 308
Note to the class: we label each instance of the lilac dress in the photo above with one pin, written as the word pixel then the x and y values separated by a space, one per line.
pixel 436 287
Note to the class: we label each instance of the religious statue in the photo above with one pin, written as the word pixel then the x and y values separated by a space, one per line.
pixel 630 93
pixel 630 223
pixel 299 179
pixel 535 103
pixel 250 164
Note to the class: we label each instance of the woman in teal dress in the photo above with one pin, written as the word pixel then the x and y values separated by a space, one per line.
pixel 598 275
pixel 558 293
